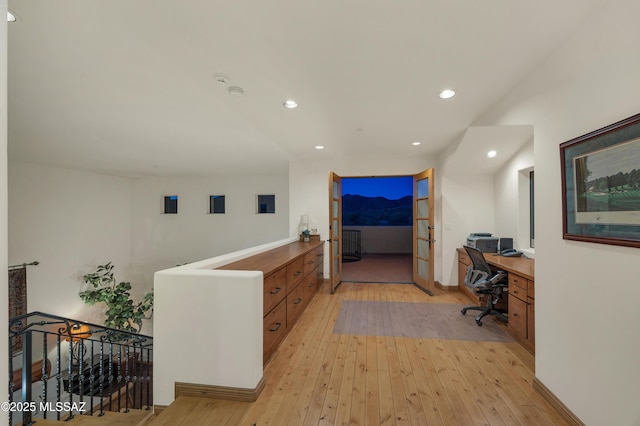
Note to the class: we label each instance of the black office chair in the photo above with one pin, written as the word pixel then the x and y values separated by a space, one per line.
pixel 484 282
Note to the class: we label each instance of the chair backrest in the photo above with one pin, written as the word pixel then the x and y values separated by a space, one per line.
pixel 477 258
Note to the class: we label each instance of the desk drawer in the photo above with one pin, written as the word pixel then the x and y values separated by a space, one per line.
pixel 464 258
pixel 517 316
pixel 518 286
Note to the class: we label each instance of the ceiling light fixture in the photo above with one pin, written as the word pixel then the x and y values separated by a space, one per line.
pixel 446 94
pixel 236 91
pixel 11 17
pixel 319 147
pixel 290 103
pixel 492 154
pixel 416 143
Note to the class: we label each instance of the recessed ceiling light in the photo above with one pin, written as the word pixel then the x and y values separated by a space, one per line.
pixel 290 103
pixel 416 143
pixel 319 147
pixel 236 91
pixel 491 154
pixel 11 17
pixel 446 94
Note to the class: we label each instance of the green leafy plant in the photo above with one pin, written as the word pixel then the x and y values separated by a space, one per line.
pixel 306 233
pixel 122 313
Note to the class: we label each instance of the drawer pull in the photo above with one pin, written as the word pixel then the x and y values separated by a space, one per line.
pixel 311 284
pixel 298 273
pixel 311 262
pixel 277 327
pixel 298 300
pixel 276 290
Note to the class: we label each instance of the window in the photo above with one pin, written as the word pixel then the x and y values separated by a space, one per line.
pixel 377 201
pixel 266 204
pixel 171 204
pixel 216 204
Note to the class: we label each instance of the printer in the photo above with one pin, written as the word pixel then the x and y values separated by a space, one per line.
pixel 483 241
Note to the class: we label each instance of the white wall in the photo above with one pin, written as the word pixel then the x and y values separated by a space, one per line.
pixel 69 221
pixel 467 205
pixel 4 336
pixel 587 316
pixel 512 200
pixel 161 241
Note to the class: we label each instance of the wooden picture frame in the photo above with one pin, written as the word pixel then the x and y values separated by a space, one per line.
pixel 601 185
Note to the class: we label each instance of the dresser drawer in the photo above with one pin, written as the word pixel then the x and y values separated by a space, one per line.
pixel 310 285
pixel 310 262
pixel 295 273
pixel 275 289
pixel 274 329
pixel 296 302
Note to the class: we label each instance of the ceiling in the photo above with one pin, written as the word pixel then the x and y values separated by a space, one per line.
pixel 128 87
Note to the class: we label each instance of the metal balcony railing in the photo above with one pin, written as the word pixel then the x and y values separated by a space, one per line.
pixel 60 368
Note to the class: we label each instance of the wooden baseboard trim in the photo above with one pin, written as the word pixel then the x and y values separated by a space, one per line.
pixel 562 409
pixel 219 392
pixel 445 287
pixel 157 409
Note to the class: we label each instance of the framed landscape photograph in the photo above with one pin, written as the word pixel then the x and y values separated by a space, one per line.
pixel 601 185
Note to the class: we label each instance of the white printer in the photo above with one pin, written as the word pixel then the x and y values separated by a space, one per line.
pixel 483 241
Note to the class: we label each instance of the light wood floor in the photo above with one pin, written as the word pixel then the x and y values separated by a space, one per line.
pixel 320 378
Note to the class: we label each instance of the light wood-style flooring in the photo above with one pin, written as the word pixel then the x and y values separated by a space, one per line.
pixel 320 378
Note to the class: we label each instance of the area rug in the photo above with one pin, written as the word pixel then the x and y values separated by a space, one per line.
pixel 417 320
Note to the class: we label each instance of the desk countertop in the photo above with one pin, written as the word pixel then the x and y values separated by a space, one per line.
pixel 522 266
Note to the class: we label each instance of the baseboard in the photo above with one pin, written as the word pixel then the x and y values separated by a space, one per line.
pixel 219 392
pixel 445 287
pixel 157 409
pixel 562 409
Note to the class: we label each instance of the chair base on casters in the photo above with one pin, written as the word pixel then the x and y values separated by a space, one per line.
pixel 484 311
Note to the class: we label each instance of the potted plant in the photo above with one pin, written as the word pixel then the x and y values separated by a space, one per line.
pixel 122 313
pixel 305 235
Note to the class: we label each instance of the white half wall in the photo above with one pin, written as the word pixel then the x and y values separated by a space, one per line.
pixel 587 316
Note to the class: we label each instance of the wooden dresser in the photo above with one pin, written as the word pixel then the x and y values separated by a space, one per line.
pixel 521 299
pixel 293 274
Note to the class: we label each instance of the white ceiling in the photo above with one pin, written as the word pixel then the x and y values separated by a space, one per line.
pixel 128 87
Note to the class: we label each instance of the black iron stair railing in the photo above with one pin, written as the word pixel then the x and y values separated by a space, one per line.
pixel 75 368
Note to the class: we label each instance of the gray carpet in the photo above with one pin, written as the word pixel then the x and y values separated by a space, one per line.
pixel 418 320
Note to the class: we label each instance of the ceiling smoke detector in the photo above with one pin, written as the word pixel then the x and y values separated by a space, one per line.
pixel 221 78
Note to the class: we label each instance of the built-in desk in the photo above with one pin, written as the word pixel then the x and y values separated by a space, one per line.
pixel 520 302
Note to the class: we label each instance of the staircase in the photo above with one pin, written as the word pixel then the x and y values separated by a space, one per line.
pixel 98 375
